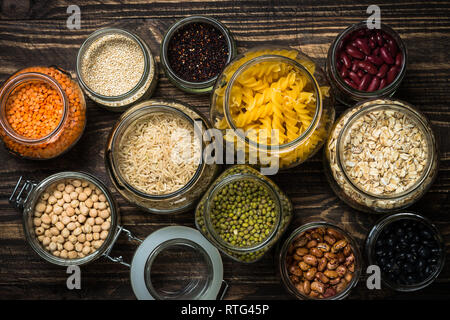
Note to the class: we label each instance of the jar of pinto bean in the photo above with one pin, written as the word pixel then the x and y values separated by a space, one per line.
pixel 366 63
pixel 42 113
pixel 321 261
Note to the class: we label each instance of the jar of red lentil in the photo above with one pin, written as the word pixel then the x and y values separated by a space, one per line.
pixel 42 112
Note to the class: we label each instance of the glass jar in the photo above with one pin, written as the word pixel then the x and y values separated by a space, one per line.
pixel 236 249
pixel 347 94
pixel 371 190
pixel 141 91
pixel 386 222
pixel 283 260
pixel 294 150
pixel 174 202
pixel 199 271
pixel 71 124
pixel 188 86
pixel 26 196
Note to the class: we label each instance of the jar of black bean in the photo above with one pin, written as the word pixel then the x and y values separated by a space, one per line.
pixel 243 213
pixel 409 250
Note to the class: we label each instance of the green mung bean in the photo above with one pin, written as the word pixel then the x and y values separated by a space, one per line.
pixel 243 213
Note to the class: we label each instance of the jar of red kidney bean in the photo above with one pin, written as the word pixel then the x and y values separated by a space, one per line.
pixel 365 63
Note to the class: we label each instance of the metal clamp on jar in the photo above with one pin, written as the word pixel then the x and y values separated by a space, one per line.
pixel 200 275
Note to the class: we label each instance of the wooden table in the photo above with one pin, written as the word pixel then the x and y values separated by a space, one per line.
pixel 35 33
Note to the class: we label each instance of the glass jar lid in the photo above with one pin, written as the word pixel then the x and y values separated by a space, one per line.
pixel 176 263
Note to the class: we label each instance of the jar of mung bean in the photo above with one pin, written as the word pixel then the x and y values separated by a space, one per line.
pixel 243 213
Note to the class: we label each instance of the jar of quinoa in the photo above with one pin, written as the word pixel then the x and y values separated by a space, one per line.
pixel 42 113
pixel 381 156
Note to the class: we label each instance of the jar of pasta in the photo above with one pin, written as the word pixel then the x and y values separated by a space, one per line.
pixel 381 156
pixel 42 112
pixel 154 156
pixel 274 106
pixel 243 213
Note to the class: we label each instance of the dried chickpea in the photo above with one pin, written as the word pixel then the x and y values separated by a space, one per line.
pixel 103 234
pixel 40 207
pixel 72 219
pixel 37 222
pixel 76 183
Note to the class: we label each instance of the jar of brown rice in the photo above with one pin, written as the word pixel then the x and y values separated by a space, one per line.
pixel 154 156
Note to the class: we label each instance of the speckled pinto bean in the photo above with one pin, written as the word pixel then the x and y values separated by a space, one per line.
pixel 369 60
pixel 325 268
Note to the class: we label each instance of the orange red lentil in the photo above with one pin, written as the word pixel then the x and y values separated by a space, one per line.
pixel 34 110
pixel 70 130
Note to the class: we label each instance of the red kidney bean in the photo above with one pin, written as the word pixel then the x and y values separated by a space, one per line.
pixel 398 59
pixel 370 68
pixel 392 73
pixel 374 84
pixel 354 52
pixel 344 72
pixel 362 45
pixel 379 38
pixel 350 83
pixel 375 60
pixel 392 46
pixel 369 60
pixel 345 60
pixel 365 82
pixel 382 71
pixel 354 78
pixel 385 55
pixel 376 51
pixel 383 83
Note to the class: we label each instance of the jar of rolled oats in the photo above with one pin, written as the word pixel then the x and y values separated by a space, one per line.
pixel 381 156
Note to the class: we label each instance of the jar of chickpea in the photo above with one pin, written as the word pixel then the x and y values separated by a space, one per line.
pixel 69 218
pixel 42 112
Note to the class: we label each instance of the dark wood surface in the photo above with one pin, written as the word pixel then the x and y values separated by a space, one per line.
pixel 35 33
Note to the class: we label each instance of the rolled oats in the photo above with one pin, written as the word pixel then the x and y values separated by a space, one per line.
pixel 384 153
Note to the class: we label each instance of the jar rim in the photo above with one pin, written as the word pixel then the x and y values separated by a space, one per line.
pixel 128 119
pixel 19 79
pixel 218 187
pixel 377 229
pixel 269 57
pixel 168 37
pixel 311 225
pixel 99 33
pixel 390 88
pixel 413 115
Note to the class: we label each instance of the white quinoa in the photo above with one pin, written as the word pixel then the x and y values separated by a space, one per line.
pixel 112 65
